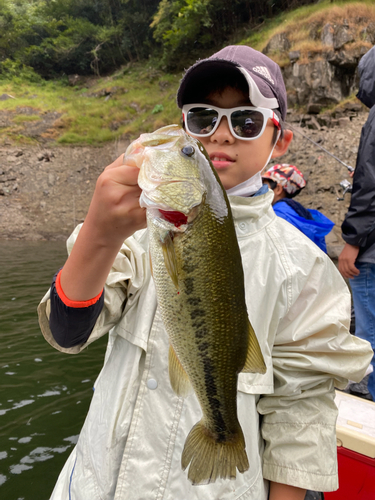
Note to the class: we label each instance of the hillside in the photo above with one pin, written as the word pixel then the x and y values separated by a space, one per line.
pixel 55 139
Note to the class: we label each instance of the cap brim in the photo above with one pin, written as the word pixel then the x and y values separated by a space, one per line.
pixel 260 94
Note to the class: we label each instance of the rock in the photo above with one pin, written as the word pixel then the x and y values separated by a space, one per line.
pixel 324 120
pixel 294 56
pixel 74 79
pixel 345 59
pixel 314 124
pixel 353 106
pixel 51 179
pixel 314 108
pixel 327 35
pixel 368 33
pixel 46 156
pixel 344 121
pixel 342 35
pixel 5 97
pixel 278 43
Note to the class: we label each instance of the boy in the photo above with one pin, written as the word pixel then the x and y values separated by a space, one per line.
pixel 286 182
pixel 131 443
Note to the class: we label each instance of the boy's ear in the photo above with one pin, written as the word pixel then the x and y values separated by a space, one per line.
pixel 282 144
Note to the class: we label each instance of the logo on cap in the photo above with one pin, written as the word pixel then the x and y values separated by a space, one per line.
pixel 262 70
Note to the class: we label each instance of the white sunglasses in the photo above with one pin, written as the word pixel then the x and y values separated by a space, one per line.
pixel 245 122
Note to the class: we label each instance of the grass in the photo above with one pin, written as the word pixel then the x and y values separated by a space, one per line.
pixel 142 97
pixel 303 27
pixel 139 101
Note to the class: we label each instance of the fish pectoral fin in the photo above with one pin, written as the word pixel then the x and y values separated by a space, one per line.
pixel 179 380
pixel 254 360
pixel 170 259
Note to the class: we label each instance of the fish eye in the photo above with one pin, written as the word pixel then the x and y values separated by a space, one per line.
pixel 188 150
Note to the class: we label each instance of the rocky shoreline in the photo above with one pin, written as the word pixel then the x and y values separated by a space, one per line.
pixel 45 190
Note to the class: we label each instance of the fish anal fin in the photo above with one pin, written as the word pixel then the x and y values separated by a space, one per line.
pixel 211 459
pixel 254 359
pixel 170 259
pixel 179 380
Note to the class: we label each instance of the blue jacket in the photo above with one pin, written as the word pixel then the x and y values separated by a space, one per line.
pixel 312 223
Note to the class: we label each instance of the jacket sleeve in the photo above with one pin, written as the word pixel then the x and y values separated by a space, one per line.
pixel 126 277
pixel 312 353
pixel 360 218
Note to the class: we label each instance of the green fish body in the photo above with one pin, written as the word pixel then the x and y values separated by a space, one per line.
pixel 197 270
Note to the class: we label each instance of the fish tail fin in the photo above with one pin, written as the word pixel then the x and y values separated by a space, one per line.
pixel 254 360
pixel 210 459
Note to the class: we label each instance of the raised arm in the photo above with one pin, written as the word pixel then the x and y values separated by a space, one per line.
pixel 113 216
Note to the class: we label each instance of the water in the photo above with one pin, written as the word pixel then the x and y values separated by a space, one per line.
pixel 44 394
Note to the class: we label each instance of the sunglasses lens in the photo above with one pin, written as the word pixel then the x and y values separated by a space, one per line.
pixel 201 121
pixel 247 123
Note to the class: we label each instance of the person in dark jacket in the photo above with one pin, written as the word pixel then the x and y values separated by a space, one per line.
pixel 357 260
pixel 287 181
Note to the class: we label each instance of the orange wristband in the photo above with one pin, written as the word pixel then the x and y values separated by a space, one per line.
pixel 74 303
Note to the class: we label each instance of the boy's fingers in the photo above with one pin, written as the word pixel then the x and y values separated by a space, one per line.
pixel 119 161
pixel 126 175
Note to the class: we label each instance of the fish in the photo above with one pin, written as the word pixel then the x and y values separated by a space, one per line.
pixel 199 280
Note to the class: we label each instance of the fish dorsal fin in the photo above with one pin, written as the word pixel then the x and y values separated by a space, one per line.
pixel 254 360
pixel 170 259
pixel 179 380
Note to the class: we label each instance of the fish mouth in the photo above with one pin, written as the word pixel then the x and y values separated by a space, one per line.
pixel 176 218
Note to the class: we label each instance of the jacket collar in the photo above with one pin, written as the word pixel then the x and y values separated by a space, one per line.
pixel 252 214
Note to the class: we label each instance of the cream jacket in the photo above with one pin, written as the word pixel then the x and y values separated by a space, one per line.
pixel 131 442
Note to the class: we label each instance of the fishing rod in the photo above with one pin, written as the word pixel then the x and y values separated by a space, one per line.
pixel 351 169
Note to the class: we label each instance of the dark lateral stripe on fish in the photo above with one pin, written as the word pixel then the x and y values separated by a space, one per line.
pixel 200 333
pixel 194 301
pixel 220 426
pixel 189 285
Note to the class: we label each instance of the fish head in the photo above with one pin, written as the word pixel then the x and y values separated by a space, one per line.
pixel 171 176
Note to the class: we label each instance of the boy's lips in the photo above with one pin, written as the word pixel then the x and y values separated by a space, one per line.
pixel 220 160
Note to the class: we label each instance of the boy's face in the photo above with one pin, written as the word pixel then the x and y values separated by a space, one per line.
pixel 236 160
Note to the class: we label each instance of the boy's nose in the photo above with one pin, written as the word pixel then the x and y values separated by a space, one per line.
pixel 222 134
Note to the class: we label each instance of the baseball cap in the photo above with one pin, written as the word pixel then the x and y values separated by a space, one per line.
pixel 263 76
pixel 290 178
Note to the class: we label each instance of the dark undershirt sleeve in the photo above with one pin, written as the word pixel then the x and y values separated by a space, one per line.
pixel 71 326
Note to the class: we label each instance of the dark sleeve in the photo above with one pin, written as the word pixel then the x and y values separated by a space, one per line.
pixel 71 326
pixel 360 218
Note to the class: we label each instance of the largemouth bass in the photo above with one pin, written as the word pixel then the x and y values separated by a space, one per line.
pixel 197 269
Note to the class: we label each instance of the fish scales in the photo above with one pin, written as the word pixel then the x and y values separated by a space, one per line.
pixel 195 319
pixel 197 269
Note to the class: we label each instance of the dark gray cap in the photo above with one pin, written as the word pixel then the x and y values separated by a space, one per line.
pixel 263 76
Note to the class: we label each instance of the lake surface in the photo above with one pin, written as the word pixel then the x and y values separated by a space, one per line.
pixel 44 394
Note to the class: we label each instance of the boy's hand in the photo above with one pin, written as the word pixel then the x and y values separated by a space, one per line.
pixel 114 212
pixel 113 216
pixel 346 261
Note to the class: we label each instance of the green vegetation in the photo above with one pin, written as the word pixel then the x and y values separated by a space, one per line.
pixel 130 56
pixel 112 107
